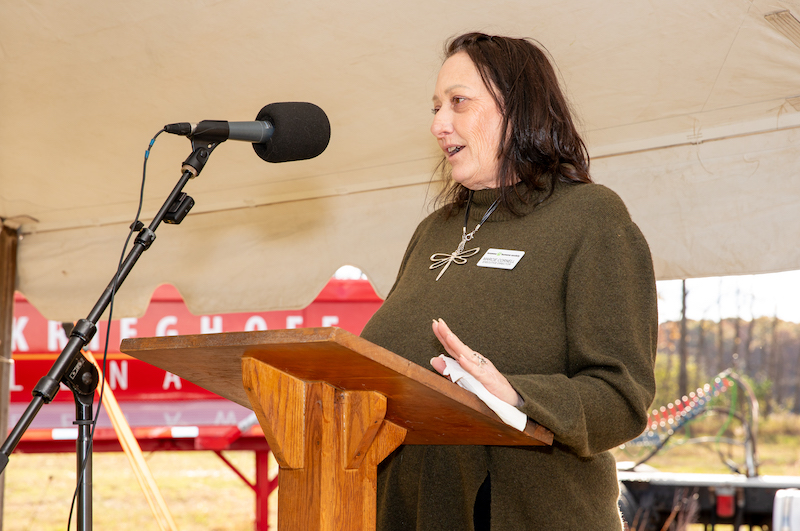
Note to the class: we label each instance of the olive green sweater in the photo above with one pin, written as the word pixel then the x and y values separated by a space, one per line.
pixel 573 327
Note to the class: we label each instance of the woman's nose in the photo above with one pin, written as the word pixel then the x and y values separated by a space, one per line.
pixel 441 124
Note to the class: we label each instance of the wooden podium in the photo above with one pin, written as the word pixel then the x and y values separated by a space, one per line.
pixel 332 406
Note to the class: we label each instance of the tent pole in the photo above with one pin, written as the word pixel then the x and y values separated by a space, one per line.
pixel 8 272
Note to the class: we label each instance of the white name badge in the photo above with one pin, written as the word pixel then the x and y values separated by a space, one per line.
pixel 501 258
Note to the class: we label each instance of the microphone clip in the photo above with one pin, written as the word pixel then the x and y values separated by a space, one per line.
pixel 178 209
pixel 201 150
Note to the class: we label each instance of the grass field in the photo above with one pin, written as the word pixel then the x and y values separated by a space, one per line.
pixel 779 458
pixel 778 452
pixel 199 489
pixel 204 494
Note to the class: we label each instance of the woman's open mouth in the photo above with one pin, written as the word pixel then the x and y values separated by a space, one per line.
pixel 453 150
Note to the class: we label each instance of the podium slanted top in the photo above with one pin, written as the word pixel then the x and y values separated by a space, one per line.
pixel 432 409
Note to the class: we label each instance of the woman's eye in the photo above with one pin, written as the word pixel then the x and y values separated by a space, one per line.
pixel 454 101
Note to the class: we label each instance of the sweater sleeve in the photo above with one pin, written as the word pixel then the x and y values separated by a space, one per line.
pixel 611 318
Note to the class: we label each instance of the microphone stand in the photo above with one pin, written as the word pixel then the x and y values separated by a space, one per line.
pixel 72 368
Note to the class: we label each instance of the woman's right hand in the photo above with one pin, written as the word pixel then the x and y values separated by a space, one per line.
pixel 475 364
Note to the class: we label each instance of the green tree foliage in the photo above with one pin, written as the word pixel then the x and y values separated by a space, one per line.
pixel 765 351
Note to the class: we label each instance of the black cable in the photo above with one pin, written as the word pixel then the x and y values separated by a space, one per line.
pixel 131 231
pixel 752 427
pixel 711 411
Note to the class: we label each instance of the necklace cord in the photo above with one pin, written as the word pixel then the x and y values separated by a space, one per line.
pixel 466 213
pixel 459 256
pixel 488 213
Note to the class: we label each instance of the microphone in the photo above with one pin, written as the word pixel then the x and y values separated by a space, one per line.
pixel 282 132
pixel 220 131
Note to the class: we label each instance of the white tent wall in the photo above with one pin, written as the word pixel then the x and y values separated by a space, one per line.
pixel 688 109
pixel 706 209
pixel 726 206
pixel 265 258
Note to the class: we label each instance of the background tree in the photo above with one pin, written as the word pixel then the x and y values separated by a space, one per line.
pixel 683 379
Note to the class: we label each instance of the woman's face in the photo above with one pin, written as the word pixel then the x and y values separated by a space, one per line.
pixel 467 123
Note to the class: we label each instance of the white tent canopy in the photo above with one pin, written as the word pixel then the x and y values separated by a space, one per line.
pixel 690 110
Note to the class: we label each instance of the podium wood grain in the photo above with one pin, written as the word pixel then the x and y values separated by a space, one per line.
pixel 431 408
pixel 332 406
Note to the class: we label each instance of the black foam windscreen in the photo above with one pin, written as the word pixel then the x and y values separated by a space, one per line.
pixel 302 131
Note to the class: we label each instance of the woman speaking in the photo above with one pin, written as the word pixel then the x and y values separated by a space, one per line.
pixel 539 284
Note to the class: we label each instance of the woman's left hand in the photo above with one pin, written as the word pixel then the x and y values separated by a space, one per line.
pixel 475 364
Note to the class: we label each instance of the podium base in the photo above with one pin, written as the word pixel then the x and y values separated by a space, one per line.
pixel 328 444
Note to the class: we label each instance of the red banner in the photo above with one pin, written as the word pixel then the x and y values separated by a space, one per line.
pixel 36 341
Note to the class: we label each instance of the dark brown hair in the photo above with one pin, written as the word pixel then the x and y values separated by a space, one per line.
pixel 542 144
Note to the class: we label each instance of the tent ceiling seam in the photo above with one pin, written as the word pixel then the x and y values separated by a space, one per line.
pixel 693 143
pixel 727 54
pixel 145 220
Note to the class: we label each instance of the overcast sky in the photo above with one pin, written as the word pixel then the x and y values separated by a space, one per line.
pixel 747 296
